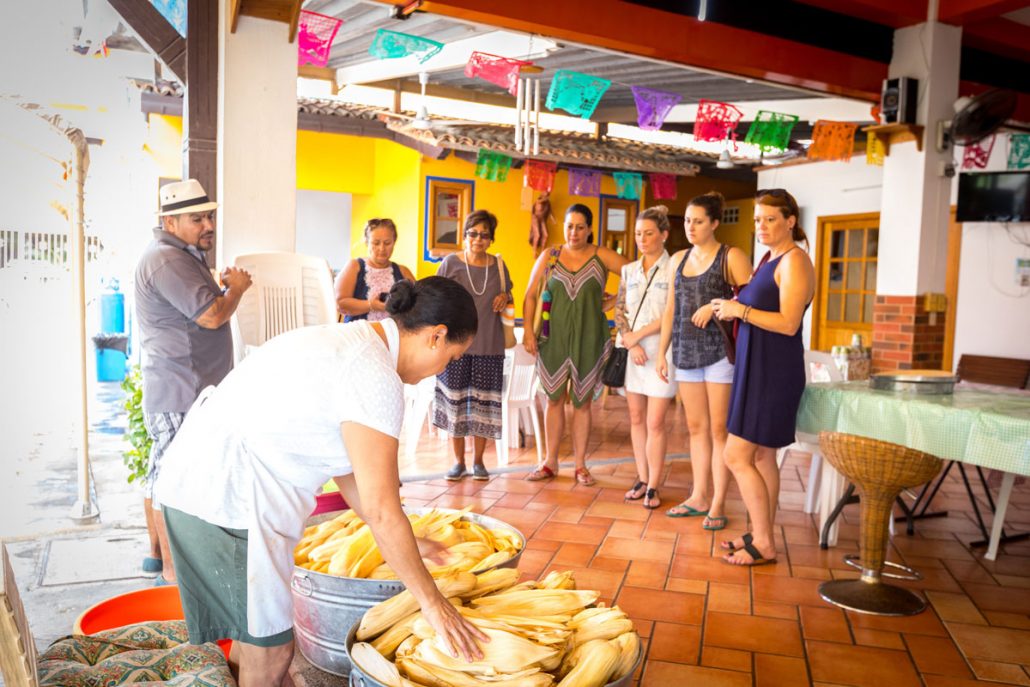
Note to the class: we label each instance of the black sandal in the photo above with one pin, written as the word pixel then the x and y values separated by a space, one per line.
pixel 652 495
pixel 638 492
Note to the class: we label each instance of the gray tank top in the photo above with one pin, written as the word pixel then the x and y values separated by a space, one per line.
pixel 693 348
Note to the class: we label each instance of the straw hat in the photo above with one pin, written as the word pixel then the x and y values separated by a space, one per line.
pixel 184 196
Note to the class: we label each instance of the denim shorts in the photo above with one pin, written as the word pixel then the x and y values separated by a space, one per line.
pixel 719 372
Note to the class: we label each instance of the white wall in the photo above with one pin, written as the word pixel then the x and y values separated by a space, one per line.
pixel 823 189
pixel 323 226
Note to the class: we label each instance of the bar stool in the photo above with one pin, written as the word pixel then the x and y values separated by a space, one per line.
pixel 879 470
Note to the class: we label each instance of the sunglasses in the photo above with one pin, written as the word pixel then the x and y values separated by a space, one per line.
pixel 478 235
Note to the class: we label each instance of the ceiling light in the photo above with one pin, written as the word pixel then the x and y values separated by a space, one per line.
pixel 725 162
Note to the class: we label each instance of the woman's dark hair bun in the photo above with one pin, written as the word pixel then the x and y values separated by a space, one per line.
pixel 402 297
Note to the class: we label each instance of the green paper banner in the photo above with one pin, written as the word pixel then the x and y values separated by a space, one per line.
pixel 492 166
pixel 771 130
pixel 629 184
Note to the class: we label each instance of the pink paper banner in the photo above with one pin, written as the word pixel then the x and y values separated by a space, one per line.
pixel 715 121
pixel 502 71
pixel 315 33
pixel 663 186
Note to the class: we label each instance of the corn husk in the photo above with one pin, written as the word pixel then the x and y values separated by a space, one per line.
pixel 373 663
pixel 505 653
pixel 628 644
pixel 491 581
pixel 436 676
pixel 387 613
pixel 599 623
pixel 536 602
pixel 558 580
pixel 595 662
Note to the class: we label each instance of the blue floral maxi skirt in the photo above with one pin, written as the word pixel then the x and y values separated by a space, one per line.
pixel 468 397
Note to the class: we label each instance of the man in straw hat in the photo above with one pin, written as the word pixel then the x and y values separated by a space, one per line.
pixel 183 317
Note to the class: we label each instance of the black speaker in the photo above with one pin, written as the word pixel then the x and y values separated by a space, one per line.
pixel 898 100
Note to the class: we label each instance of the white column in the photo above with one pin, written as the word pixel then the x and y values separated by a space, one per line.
pixel 257 137
pixel 914 216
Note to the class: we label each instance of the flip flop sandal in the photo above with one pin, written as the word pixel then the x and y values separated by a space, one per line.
pixel 714 523
pixel 637 492
pixel 584 477
pixel 689 511
pixel 729 546
pixel 540 474
pixel 652 496
pixel 756 557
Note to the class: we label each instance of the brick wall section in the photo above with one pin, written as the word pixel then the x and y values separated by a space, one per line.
pixel 903 337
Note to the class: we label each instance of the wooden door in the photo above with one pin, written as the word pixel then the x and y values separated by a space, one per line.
pixel 951 289
pixel 618 221
pixel 846 263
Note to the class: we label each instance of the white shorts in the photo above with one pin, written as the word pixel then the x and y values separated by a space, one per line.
pixel 719 372
pixel 642 379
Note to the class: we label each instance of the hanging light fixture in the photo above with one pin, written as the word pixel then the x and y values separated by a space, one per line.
pixel 725 161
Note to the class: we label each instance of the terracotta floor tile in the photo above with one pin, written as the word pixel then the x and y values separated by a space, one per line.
pixel 637 549
pixel 945 681
pixel 1013 581
pixel 645 628
pixel 632 511
pixel 878 638
pixel 514 500
pixel 729 598
pixel 926 623
pixel 1002 644
pixel 674 584
pixel 1002 619
pixel 957 608
pixel 1009 673
pixel 789 590
pixel 456 501
pixel 662 674
pixel 931 547
pixel 573 554
pixel 771 610
pixel 564 498
pixel 533 562
pixel 811 573
pixel 780 671
pixel 711 569
pixel 627 530
pixel 936 655
pixel 542 507
pixel 969 571
pixel 644 573
pixel 825 624
pixel 584 534
pixel 569 514
pixel 421 490
pixel 1009 564
pixel 860 665
pixel 526 521
pixel 752 633
pixel 675 643
pixel 673 607
pixel 729 659
pixel 539 544
pixel 694 545
pixel 610 564
pixel 596 521
pixel 995 598
pixel 815 557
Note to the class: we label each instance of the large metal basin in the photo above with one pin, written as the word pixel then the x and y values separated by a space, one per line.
pixel 324 606
pixel 359 678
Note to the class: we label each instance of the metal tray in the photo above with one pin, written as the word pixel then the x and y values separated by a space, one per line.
pixel 916 382
pixel 359 678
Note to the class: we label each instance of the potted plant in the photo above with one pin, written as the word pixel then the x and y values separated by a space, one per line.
pixel 136 459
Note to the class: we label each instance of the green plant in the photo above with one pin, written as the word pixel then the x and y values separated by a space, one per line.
pixel 137 459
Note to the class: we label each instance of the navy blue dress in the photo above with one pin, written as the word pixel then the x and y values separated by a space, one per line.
pixel 769 375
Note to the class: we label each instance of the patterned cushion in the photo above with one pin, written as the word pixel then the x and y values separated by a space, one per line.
pixel 152 653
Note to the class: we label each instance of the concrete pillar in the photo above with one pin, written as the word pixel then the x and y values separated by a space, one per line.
pixel 913 246
pixel 257 136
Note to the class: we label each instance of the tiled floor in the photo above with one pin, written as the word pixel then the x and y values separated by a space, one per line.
pixel 708 623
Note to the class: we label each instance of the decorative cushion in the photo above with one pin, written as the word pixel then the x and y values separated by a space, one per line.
pixel 153 653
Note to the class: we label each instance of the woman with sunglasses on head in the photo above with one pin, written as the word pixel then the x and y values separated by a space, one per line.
pixel 643 290
pixel 769 375
pixel 468 392
pixel 578 340
pixel 706 270
pixel 363 285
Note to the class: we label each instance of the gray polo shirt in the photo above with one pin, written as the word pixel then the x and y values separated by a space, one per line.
pixel 180 358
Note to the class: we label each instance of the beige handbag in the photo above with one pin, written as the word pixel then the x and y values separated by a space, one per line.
pixel 508 314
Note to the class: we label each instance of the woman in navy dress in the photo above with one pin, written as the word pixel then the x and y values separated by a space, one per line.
pixel 769 375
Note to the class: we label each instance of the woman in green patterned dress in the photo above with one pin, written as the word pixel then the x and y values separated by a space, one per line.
pixel 575 339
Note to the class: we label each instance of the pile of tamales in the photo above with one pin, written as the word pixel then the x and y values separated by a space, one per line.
pixel 542 634
pixel 344 546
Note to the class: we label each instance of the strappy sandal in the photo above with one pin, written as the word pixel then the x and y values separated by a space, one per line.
pixel 756 557
pixel 651 499
pixel 637 492
pixel 540 474
pixel 731 547
pixel 584 477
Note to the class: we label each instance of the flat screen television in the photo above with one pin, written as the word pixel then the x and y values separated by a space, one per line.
pixel 993 197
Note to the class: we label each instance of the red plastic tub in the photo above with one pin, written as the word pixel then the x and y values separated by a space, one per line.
pixel 140 606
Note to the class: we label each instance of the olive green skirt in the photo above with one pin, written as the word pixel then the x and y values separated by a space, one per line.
pixel 211 566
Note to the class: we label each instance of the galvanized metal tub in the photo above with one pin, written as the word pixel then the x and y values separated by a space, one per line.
pixel 324 606
pixel 359 678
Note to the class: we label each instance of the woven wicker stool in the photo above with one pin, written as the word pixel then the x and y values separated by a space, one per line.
pixel 879 470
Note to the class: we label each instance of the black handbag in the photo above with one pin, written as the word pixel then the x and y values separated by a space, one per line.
pixel 614 374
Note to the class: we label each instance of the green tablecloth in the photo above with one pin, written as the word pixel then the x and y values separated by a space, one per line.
pixel 977 426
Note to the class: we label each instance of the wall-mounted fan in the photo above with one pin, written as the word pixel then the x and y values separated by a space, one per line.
pixel 976 118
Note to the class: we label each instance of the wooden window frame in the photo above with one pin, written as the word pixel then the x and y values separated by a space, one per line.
pixel 823 258
pixel 603 234
pixel 465 189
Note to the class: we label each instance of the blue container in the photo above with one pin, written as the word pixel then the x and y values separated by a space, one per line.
pixel 111 364
pixel 112 310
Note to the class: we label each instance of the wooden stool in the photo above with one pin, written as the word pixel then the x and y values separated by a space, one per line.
pixel 880 471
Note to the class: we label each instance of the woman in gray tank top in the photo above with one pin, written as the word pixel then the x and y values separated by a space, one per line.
pixel 705 271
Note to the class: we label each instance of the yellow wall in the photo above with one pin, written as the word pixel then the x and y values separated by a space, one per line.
pixel 330 162
pixel 164 145
pixel 742 233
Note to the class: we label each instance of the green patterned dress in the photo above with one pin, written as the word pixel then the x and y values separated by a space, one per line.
pixel 579 339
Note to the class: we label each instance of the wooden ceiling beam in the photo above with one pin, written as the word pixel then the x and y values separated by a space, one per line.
pixel 441 91
pixel 285 11
pixel 156 33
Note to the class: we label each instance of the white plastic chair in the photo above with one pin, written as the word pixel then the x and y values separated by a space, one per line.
pixel 289 290
pixel 518 400
pixel 418 399
pixel 818 366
